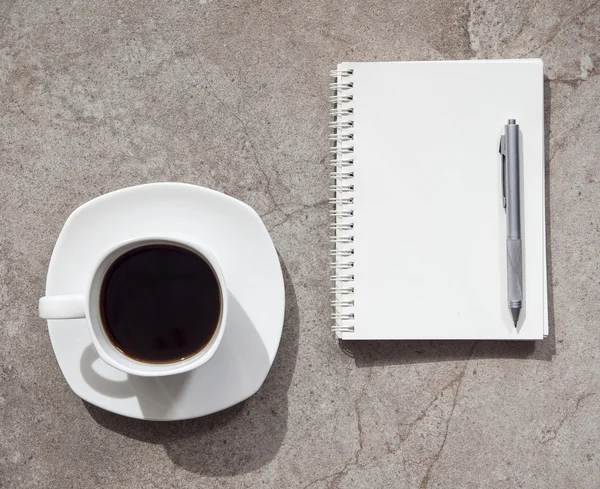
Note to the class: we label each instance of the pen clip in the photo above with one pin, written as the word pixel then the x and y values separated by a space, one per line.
pixel 502 150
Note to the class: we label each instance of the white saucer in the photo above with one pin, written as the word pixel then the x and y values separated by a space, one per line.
pixel 244 249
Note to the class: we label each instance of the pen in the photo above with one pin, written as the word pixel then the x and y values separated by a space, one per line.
pixel 511 201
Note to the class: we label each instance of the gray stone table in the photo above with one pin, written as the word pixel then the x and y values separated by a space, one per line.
pixel 232 95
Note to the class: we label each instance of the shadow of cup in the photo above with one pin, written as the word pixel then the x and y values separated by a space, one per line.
pixel 241 362
pixel 239 439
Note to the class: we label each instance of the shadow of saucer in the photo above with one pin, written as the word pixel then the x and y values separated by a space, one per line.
pixel 237 440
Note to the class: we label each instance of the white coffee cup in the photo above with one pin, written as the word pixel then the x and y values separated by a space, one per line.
pixel 87 305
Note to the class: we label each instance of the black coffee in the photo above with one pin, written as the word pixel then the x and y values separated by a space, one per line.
pixel 160 303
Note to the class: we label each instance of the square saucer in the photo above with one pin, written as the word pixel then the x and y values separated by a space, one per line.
pixel 242 245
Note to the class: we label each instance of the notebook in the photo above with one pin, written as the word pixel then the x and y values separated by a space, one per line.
pixel 419 231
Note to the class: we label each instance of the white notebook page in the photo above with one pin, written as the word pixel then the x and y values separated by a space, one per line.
pixel 429 228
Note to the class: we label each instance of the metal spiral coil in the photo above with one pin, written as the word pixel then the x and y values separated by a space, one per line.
pixel 341 111
pixel 341 150
pixel 341 163
pixel 341 124
pixel 343 278
pixel 341 253
pixel 341 137
pixel 343 213
pixel 341 239
pixel 342 200
pixel 341 188
pixel 341 227
pixel 342 72
pixel 341 99
pixel 343 315
pixel 342 290
pixel 340 85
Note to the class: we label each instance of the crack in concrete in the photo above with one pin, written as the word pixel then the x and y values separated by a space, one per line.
pixel 235 114
pixel 337 476
pixel 361 439
pixel 425 411
pixel 526 16
pixel 289 215
pixel 574 82
pixel 552 434
pixel 25 113
pixel 556 30
pixel 472 38
pixel 456 383
pixel 472 53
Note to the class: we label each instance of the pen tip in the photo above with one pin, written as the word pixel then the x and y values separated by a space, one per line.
pixel 515 315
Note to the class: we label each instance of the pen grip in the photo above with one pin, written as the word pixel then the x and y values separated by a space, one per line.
pixel 514 255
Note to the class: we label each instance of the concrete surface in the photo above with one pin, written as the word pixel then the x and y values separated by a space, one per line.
pixel 95 96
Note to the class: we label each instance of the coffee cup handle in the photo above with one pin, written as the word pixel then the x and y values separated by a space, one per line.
pixel 62 307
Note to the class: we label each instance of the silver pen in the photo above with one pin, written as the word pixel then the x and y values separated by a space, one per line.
pixel 511 201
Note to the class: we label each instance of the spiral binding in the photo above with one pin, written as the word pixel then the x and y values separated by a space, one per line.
pixel 342 200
